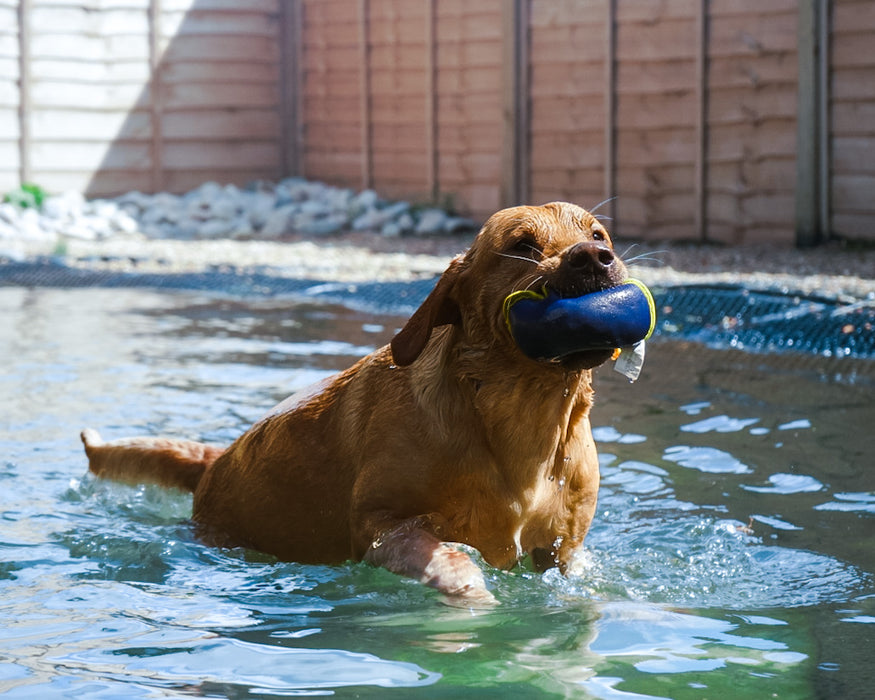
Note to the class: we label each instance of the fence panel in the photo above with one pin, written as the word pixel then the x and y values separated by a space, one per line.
pixel 12 139
pixel 88 95
pixel 752 103
pixel 852 119
pixel 569 55
pixel 217 91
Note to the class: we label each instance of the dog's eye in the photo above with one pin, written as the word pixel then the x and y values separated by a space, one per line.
pixel 599 235
pixel 525 247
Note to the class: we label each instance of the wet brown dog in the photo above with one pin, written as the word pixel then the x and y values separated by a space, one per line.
pixel 449 434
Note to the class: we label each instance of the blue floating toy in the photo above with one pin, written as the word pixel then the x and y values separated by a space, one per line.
pixel 546 326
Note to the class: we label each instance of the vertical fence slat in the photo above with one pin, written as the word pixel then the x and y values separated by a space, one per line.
pixel 701 163
pixel 156 92
pixel 25 82
pixel 509 180
pixel 823 100
pixel 291 86
pixel 610 117
pixel 515 141
pixel 523 128
pixel 431 138
pixel 807 207
pixel 365 87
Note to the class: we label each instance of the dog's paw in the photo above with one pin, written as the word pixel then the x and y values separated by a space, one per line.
pixel 455 575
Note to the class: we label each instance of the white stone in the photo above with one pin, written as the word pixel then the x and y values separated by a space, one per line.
pixel 79 229
pixel 225 207
pixel 8 231
pixel 102 208
pixel 406 222
pixel 319 226
pixel 314 208
pixel 397 208
pixel 242 227
pixel 9 213
pixel 391 229
pixel 457 224
pixel 63 206
pixel 370 220
pixel 124 223
pixel 215 228
pixel 366 199
pixel 29 225
pixel 279 222
pixel 134 200
pixel 260 206
pixel 207 191
pixel 431 221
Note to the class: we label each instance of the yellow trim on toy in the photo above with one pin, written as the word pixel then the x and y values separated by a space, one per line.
pixel 651 303
pixel 514 297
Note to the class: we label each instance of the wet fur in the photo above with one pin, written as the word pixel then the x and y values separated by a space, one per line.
pixel 450 434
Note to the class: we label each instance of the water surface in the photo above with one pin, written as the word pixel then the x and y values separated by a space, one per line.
pixel 731 555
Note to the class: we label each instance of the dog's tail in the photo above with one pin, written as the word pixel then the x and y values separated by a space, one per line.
pixel 171 463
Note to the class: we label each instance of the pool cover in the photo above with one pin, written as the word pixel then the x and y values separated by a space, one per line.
pixel 716 315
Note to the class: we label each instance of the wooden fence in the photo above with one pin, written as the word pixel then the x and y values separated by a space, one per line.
pixel 721 120
pixel 104 96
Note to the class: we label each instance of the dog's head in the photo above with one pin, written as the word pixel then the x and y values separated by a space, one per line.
pixel 558 246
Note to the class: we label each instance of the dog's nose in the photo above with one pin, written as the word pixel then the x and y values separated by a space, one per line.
pixel 591 255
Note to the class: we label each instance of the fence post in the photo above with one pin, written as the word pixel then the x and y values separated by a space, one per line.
pixel 515 139
pixel 157 96
pixel 701 165
pixel 365 87
pixel 431 137
pixel 24 77
pixel 811 131
pixel 823 98
pixel 291 85
pixel 610 116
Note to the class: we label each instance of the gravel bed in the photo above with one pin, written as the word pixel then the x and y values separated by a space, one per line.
pixel 307 230
pixel 828 271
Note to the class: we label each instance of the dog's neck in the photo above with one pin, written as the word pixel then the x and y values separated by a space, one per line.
pixel 535 409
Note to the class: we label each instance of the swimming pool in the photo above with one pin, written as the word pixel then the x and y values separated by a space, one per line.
pixel 732 554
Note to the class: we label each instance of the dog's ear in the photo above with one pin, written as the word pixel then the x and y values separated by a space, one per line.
pixel 438 309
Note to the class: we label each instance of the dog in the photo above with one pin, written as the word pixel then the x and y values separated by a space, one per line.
pixel 449 435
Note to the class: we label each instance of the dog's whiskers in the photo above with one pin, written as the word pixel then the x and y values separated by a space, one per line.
pixel 646 257
pixel 592 210
pixel 519 257
pixel 533 282
pixel 527 282
pixel 629 250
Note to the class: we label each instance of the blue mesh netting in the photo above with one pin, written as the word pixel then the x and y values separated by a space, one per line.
pixel 766 321
pixel 721 316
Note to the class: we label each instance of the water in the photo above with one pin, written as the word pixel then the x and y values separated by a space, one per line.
pixel 732 555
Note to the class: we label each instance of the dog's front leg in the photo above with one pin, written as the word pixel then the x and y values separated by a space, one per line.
pixel 410 548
